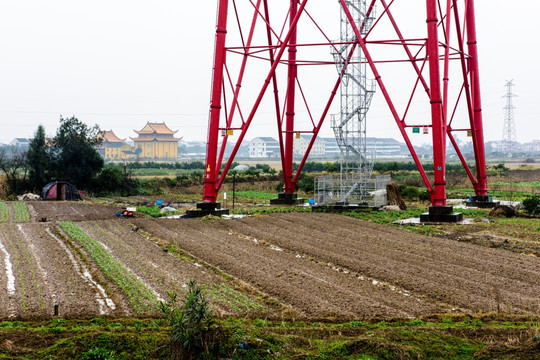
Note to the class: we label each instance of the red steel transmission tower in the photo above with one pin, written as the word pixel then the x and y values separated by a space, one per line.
pixel 262 48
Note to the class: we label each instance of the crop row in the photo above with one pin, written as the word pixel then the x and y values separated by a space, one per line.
pixel 232 298
pixel 138 261
pixel 18 266
pixel 29 264
pixel 120 227
pixel 22 260
pixel 4 212
pixel 138 294
pixel 20 211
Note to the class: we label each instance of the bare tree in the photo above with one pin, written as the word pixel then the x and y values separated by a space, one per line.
pixel 14 165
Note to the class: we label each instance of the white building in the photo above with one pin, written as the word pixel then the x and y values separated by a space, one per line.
pixel 503 146
pixel 301 144
pixel 532 147
pixel 385 147
pixel 376 147
pixel 264 147
pixel 327 147
pixel 331 148
pixel 20 142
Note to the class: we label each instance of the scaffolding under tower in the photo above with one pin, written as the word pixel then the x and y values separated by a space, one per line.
pixel 349 126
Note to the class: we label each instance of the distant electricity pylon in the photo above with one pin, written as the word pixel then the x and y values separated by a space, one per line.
pixel 509 128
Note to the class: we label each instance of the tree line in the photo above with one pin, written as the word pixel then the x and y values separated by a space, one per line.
pixel 70 155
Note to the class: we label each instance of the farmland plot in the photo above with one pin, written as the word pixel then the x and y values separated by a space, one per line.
pixel 298 265
pixel 325 265
pixel 95 268
pixel 71 211
pixel 139 273
pixel 463 276
pixel 14 211
pixel 308 288
pixel 24 292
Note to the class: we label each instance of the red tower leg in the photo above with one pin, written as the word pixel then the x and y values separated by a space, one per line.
pixel 449 43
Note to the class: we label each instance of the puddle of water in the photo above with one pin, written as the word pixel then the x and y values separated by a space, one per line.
pixel 416 221
pixel 9 271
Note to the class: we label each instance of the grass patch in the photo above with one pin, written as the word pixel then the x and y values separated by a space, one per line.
pixel 255 195
pixel 233 299
pixel 273 210
pixel 153 211
pixel 456 337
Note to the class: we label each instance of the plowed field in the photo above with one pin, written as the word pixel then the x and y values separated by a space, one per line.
pixel 298 265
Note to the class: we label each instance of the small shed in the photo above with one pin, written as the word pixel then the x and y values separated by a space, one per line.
pixel 60 190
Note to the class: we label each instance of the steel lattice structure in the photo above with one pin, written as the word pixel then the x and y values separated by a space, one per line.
pixel 509 127
pixel 355 98
pixel 274 35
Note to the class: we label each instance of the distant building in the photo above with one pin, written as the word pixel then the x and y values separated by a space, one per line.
pixel 385 147
pixel 157 142
pixel 376 147
pixel 192 149
pixel 331 148
pixel 532 147
pixel 327 147
pixel 301 144
pixel 500 146
pixel 264 147
pixel 20 142
pixel 114 148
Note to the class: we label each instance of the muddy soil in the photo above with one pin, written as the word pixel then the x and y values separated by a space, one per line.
pixel 325 265
pixel 45 273
pixel 292 266
pixel 518 234
pixel 70 211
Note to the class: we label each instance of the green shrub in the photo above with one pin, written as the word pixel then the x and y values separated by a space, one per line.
pixel 532 204
pixel 413 193
pixel 189 322
pixel 196 175
pixel 153 211
pixel 98 353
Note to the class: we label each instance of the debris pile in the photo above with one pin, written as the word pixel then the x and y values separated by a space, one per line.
pixel 28 197
pixel 504 211
pixel 394 197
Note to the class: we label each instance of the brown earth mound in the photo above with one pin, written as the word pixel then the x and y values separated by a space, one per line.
pixel 504 211
pixel 394 197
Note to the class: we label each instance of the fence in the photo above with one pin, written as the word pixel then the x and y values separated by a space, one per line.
pixel 334 190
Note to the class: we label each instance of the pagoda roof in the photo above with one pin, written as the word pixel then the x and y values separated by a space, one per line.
pixel 155 138
pixel 158 128
pixel 109 136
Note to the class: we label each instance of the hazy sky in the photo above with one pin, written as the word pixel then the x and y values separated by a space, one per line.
pixel 122 63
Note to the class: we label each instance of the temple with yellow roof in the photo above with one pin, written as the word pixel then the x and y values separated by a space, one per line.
pixel 156 141
pixel 114 148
